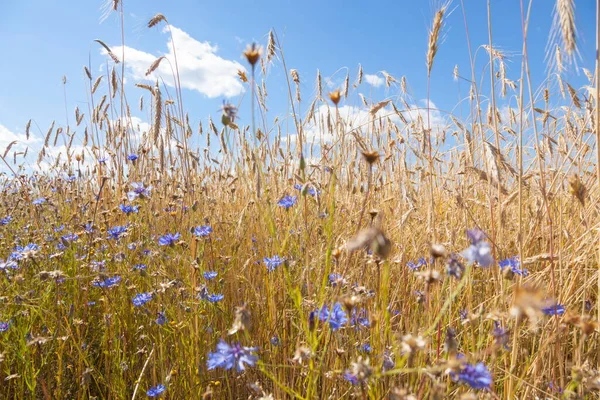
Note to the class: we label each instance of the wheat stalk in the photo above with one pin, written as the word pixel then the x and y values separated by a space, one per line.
pixel 434 36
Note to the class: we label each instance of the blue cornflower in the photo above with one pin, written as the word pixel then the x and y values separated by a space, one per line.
pixel 309 189
pixel 38 201
pixel 141 299
pixel 388 362
pixel 514 263
pixel 336 316
pixel 169 239
pixel 454 267
pixel 70 178
pixel 71 237
pixel 350 378
pixel 5 220
pixel 102 160
pixel 132 157
pixel 4 326
pixel 88 227
pixel 500 335
pixel 161 319
pixel 8 264
pixel 21 252
pixel 273 262
pixel 335 279
pixel 140 267
pixel 208 275
pixel 213 298
pixel 359 318
pixel 139 190
pixel 476 376
pixel 275 340
pixel 156 390
pixel 202 231
pixel 557 309
pixel 366 348
pixel 479 251
pixel 228 356
pixel 98 265
pixel 128 209
pixel 421 262
pixel 117 232
pixel 108 282
pixel 59 228
pixel 287 201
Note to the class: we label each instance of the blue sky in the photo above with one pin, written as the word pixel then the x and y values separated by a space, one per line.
pixel 41 41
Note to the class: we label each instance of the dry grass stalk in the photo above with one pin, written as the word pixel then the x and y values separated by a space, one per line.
pixel 154 65
pixel 359 77
pixel 346 85
pixel 564 25
pixel 27 129
pixel 96 84
pixel 114 82
pixel 271 49
pixel 157 113
pixel 108 51
pixel 158 18
pixel 434 36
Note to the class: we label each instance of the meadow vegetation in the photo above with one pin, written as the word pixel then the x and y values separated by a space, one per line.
pixel 309 257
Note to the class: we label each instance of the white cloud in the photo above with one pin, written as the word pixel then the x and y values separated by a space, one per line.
pixel 22 143
pixel 7 137
pixel 200 68
pixel 352 118
pixel 374 80
pixel 360 118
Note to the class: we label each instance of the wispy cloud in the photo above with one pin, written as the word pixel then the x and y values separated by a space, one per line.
pixel 374 80
pixel 200 67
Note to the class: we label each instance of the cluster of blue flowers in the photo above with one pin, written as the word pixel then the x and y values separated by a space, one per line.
pixel 169 239
pixel 273 263
pixel 232 356
pixel 141 299
pixel 514 264
pixel 309 189
pixel 287 201
pixel 479 251
pixel 128 209
pixel 139 191
pixel 108 282
pixel 202 231
pixel 336 316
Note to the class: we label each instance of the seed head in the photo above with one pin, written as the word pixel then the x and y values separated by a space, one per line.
pixel 252 54
pixel 335 96
pixel 370 157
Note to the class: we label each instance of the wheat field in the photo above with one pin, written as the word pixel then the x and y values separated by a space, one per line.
pixel 400 257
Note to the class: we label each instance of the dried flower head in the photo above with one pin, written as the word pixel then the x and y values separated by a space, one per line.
pixel 371 237
pixel 335 96
pixel 577 189
pixel 302 354
pixel 241 321
pixel 252 54
pixel 370 157
pixel 411 344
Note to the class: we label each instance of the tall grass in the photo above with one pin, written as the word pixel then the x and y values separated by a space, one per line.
pixel 395 258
